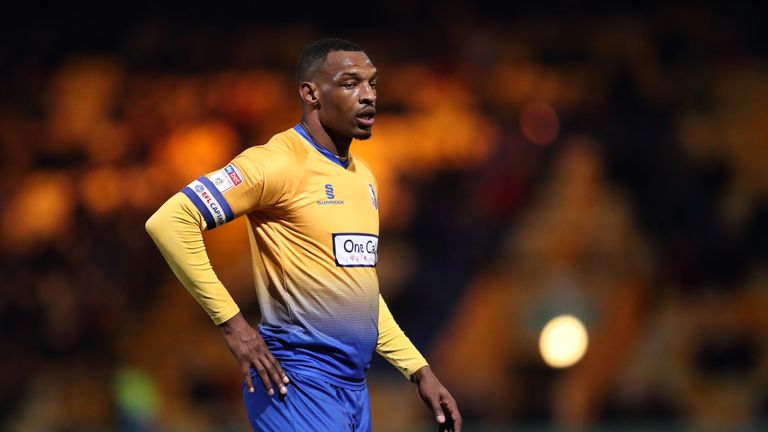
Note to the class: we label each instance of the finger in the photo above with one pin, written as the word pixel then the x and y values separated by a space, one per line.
pixel 247 377
pixel 282 376
pixel 453 413
pixel 277 378
pixel 437 410
pixel 457 422
pixel 280 370
pixel 264 378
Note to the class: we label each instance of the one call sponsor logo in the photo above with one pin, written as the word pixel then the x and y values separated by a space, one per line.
pixel 210 202
pixel 355 250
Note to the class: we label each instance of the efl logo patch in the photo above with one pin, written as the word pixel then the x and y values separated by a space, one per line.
pixel 355 250
pixel 226 178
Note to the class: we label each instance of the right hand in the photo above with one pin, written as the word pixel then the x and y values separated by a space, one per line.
pixel 250 350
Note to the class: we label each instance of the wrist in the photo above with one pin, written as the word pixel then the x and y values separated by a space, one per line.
pixel 234 324
pixel 423 374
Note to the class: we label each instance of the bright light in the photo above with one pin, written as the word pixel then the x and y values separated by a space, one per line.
pixel 563 341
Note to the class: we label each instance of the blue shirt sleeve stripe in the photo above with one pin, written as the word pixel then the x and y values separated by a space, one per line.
pixel 228 214
pixel 210 223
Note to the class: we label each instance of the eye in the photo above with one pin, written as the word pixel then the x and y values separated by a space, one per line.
pixel 349 84
pixel 373 84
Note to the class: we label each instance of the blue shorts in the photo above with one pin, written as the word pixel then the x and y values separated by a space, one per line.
pixel 310 405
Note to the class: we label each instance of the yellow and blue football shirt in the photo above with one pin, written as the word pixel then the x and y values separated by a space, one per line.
pixel 313 227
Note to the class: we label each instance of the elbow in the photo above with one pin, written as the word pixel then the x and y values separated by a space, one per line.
pixel 152 225
pixel 171 217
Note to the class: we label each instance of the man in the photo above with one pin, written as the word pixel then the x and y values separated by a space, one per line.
pixel 313 224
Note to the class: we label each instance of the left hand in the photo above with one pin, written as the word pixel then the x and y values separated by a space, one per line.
pixel 437 398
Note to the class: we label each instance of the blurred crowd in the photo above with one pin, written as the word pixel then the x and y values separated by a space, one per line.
pixel 613 166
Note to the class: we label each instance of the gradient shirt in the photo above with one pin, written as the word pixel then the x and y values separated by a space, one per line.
pixel 313 227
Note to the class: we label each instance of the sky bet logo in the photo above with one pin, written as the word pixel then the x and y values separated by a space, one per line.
pixel 233 174
pixel 329 195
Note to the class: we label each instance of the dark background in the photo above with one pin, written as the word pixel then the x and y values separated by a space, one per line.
pixel 607 160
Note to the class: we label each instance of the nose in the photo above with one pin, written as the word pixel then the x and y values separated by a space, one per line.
pixel 367 94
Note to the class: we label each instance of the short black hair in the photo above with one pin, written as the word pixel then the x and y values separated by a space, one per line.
pixel 316 54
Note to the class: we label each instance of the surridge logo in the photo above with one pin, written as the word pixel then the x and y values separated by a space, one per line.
pixel 330 197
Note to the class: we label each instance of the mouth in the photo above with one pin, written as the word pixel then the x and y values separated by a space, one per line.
pixel 365 118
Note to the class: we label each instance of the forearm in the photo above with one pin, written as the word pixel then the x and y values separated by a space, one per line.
pixel 176 228
pixel 395 346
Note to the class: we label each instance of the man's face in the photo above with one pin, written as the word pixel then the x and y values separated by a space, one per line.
pixel 347 94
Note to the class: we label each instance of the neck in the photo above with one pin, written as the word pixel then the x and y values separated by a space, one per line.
pixel 324 138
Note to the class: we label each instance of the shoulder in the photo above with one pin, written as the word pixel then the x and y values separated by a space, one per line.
pixel 283 152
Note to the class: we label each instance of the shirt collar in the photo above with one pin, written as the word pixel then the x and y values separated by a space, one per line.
pixel 330 156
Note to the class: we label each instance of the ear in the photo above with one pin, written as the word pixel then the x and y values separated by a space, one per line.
pixel 308 93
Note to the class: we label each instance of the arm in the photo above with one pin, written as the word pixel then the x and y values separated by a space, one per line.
pixel 177 228
pixel 395 346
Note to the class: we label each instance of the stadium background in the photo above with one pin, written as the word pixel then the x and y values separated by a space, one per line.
pixel 606 160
